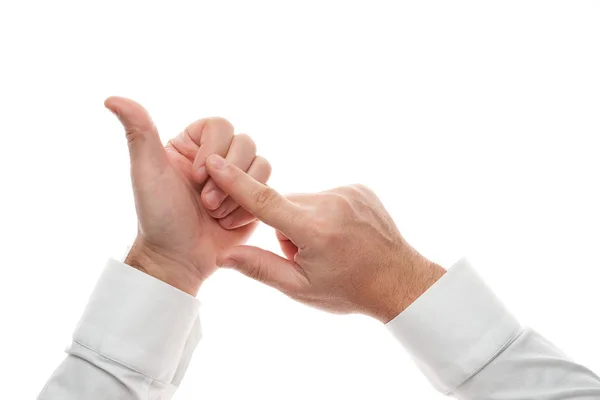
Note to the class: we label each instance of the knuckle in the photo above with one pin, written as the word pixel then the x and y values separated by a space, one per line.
pixel 218 122
pixel 217 126
pixel 322 228
pixel 245 141
pixel 357 191
pixel 132 135
pixel 136 133
pixel 258 271
pixel 362 189
pixel 231 174
pixel 264 197
pixel 340 202
pixel 264 164
pixel 310 226
pixel 295 197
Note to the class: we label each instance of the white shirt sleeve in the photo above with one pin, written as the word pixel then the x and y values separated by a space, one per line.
pixel 134 340
pixel 469 346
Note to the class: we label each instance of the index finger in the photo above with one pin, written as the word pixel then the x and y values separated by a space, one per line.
pixel 200 139
pixel 262 201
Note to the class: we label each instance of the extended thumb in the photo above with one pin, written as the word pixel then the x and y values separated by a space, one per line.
pixel 144 143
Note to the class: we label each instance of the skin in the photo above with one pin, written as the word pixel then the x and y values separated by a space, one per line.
pixel 343 252
pixel 185 222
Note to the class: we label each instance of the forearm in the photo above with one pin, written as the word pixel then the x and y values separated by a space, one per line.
pixel 85 374
pixel 134 341
pixel 530 367
pixel 469 346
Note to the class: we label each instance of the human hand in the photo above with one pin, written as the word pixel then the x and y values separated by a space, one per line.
pixel 185 223
pixel 343 252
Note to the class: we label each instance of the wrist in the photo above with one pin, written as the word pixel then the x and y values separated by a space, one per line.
pixel 163 266
pixel 407 281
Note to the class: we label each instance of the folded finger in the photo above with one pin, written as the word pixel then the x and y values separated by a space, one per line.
pixel 241 153
pixel 260 169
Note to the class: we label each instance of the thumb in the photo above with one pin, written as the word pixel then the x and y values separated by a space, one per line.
pixel 145 148
pixel 266 267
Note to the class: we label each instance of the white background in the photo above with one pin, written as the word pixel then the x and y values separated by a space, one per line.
pixel 475 122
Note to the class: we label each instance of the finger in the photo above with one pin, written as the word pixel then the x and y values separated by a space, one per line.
pixel 287 246
pixel 302 198
pixel 187 142
pixel 262 201
pixel 146 151
pixel 241 153
pixel 238 218
pixel 211 135
pixel 259 170
pixel 266 267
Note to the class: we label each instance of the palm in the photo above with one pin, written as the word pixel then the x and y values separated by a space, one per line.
pixel 193 219
pixel 172 217
pixel 168 188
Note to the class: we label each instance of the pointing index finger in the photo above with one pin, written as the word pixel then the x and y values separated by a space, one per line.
pixel 260 200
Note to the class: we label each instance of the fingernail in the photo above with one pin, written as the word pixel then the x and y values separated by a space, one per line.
pixel 213 198
pixel 229 263
pixel 202 170
pixel 216 161
pixel 226 222
pixel 220 212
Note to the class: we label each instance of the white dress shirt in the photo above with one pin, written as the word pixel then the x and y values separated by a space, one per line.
pixel 137 336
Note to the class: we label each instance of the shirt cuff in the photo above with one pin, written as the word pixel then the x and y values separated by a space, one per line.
pixel 139 322
pixel 455 328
